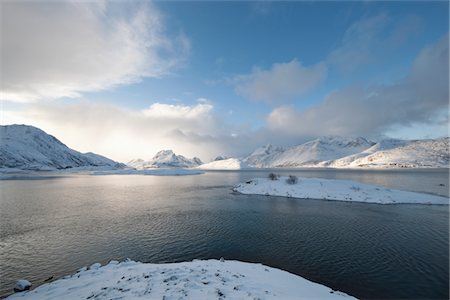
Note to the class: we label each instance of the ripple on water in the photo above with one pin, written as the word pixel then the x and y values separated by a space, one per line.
pixel 369 251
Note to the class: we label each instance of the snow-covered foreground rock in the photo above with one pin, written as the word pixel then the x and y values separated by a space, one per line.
pixel 210 279
pixel 340 190
pixel 154 172
pixel 224 164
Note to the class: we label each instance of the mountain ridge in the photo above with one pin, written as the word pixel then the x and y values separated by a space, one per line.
pixel 30 148
pixel 339 152
pixel 165 159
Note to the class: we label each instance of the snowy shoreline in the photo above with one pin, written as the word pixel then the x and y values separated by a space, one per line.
pixel 199 279
pixel 336 190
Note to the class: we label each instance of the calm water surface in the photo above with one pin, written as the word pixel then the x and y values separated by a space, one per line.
pixel 53 226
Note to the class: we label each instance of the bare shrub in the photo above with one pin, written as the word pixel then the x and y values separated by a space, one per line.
pixel 292 179
pixel 355 188
pixel 273 176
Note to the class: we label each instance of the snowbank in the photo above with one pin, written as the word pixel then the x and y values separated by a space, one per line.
pixel 340 190
pixel 224 164
pixel 155 172
pixel 210 279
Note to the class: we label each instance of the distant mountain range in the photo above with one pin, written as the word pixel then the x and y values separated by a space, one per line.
pixel 307 154
pixel 29 148
pixel 339 152
pixel 165 159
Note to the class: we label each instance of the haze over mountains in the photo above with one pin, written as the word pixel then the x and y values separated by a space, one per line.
pixel 29 148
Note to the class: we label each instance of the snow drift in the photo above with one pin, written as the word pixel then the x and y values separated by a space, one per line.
pixel 210 279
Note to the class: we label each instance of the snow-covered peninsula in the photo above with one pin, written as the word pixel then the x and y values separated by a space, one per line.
pixel 207 279
pixel 339 190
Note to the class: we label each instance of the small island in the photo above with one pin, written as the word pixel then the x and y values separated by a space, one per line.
pixel 338 190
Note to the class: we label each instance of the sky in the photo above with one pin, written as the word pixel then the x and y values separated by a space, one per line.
pixel 126 79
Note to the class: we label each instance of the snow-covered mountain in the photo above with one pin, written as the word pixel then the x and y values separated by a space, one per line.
pixel 220 157
pixel 263 156
pixel 339 152
pixel 399 153
pixel 165 159
pixel 224 164
pixel 30 148
pixel 308 154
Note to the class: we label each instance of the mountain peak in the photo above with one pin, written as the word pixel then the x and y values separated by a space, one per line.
pixel 166 159
pixel 266 150
pixel 343 141
pixel 164 154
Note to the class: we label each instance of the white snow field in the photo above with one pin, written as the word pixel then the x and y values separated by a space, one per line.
pixel 340 190
pixel 224 164
pixel 199 279
pixel 154 172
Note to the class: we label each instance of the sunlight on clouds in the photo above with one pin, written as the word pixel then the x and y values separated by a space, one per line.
pixel 120 133
pixel 161 110
pixel 61 49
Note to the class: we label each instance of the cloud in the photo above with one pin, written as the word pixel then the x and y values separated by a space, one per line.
pixel 282 81
pixel 169 111
pixel 421 97
pixel 197 130
pixel 120 133
pixel 61 49
pixel 371 39
pixel 406 27
pixel 124 134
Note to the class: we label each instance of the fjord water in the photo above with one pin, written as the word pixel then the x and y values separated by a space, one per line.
pixel 51 226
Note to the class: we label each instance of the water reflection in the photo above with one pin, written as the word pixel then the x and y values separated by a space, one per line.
pixel 54 226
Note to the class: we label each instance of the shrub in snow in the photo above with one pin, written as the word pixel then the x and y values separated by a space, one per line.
pixel 355 188
pixel 273 176
pixel 292 179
